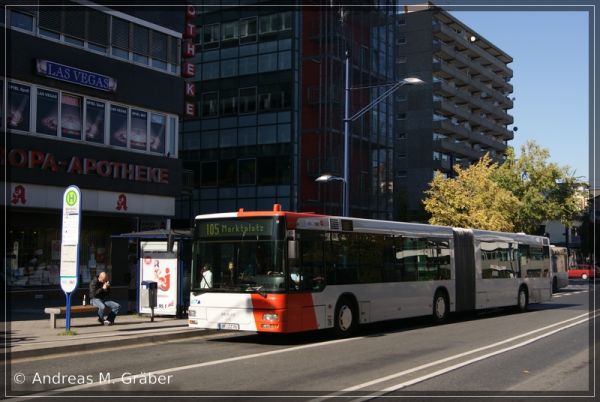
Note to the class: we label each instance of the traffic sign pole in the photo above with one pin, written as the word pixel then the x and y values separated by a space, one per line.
pixel 69 252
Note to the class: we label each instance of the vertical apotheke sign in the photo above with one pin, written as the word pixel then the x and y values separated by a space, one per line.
pixel 69 252
pixel 188 69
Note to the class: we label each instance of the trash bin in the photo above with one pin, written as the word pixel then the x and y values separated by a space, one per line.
pixel 148 294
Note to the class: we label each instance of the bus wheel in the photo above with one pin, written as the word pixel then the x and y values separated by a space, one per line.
pixel 440 307
pixel 522 299
pixel 584 276
pixel 346 318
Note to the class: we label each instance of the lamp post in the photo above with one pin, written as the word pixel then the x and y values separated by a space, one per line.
pixel 348 119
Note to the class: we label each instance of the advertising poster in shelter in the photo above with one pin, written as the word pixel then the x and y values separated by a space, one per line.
pixel 160 266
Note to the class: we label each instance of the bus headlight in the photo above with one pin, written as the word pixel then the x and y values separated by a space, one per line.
pixel 270 317
pixel 191 313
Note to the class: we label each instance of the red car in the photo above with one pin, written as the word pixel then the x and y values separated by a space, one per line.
pixel 583 271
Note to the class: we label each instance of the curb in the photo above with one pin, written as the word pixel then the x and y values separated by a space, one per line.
pixel 106 344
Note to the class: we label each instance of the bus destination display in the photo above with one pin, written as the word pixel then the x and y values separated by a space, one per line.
pixel 235 228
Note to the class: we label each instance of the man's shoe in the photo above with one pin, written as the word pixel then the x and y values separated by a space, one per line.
pixel 106 322
pixel 101 321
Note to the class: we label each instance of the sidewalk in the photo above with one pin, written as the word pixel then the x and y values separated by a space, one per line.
pixel 34 338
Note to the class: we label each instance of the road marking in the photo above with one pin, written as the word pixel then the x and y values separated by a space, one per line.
pixel 286 350
pixel 132 378
pixel 450 358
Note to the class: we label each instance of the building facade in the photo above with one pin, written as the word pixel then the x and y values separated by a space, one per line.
pixel 462 111
pixel 91 97
pixel 270 85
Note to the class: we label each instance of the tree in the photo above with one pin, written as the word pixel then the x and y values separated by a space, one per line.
pixel 471 199
pixel 545 190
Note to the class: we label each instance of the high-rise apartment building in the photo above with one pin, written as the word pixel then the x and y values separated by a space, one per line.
pixel 462 112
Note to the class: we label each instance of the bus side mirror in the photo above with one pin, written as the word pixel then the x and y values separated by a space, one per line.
pixel 293 249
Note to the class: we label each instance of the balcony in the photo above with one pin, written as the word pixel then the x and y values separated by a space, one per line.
pixel 458 95
pixel 447 127
pixel 446 52
pixel 446 33
pixel 447 70
pixel 458 149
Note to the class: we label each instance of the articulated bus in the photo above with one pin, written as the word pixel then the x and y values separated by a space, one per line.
pixel 287 272
pixel 560 263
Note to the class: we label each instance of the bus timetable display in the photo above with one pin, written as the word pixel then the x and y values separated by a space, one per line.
pixel 235 228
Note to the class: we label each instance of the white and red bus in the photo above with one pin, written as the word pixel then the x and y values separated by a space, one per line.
pixel 276 271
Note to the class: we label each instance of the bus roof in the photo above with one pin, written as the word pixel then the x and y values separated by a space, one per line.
pixel 290 217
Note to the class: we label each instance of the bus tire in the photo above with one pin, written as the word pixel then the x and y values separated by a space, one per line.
pixel 522 299
pixel 554 285
pixel 440 307
pixel 346 317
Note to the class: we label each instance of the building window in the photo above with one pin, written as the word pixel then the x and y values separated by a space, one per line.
pixel 71 112
pixel 21 20
pixel 247 172
pixel 94 121
pixel 248 30
pixel 210 71
pixel 118 126
pixel 139 130
pixel 47 112
pixel 18 106
pixel 229 31
pixel 267 62
pixel 229 103
pixel 208 174
pixel 210 36
pixel 247 100
pixel 158 128
pixel 227 172
pixel 141 46
pixel 248 65
pixel 210 104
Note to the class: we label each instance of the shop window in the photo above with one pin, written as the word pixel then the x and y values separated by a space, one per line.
pixel 247 172
pixel 47 112
pixel 118 126
pixel 139 129
pixel 208 174
pixel 71 112
pixel 18 107
pixel 94 121
pixel 158 124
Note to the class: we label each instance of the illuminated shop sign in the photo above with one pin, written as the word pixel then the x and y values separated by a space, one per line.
pixel 76 76
pixel 188 69
pixel 46 161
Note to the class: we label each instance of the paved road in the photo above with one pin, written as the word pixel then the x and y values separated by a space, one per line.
pixel 497 352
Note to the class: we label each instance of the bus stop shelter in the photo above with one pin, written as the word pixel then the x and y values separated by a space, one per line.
pixel 162 256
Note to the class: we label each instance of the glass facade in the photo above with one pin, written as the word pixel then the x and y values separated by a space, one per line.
pixel 260 138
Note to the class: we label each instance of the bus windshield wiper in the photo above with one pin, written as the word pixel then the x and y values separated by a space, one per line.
pixel 258 289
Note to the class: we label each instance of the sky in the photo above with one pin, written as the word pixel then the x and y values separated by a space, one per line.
pixel 550 51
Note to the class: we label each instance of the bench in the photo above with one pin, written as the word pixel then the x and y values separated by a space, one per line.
pixel 79 309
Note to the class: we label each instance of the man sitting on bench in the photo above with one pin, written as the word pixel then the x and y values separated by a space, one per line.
pixel 99 292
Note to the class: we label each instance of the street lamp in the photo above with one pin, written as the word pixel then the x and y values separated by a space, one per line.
pixel 348 119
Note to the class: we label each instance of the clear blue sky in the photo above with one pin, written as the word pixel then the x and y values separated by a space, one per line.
pixel 547 47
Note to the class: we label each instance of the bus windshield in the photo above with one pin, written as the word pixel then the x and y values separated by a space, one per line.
pixel 239 255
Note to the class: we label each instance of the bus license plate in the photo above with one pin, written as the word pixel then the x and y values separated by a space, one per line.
pixel 230 326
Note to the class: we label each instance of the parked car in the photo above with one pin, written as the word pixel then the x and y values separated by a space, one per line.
pixel 583 271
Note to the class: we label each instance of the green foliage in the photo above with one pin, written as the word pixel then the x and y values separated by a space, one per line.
pixel 471 200
pixel 546 191
pixel 519 195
